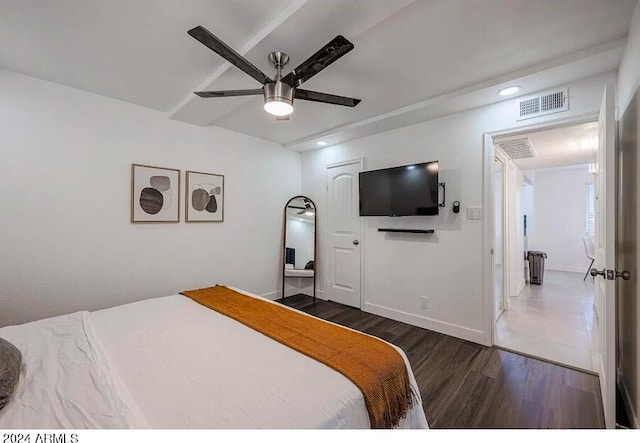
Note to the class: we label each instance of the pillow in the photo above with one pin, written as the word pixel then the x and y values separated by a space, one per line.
pixel 10 363
pixel 309 265
pixel 288 266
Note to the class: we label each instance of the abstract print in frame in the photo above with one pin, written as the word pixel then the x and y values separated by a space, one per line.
pixel 155 194
pixel 204 197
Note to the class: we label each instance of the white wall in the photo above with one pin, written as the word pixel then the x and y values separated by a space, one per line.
pixel 527 209
pixel 527 206
pixel 67 242
pixel 559 217
pixel 447 266
pixel 629 333
pixel 629 71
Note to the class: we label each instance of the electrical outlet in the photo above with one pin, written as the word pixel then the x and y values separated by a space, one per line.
pixel 424 302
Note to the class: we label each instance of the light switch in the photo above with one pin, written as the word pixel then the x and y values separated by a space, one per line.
pixel 474 212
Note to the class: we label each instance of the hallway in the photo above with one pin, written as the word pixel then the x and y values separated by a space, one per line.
pixel 555 321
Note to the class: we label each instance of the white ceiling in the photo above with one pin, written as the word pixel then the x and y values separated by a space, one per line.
pixel 412 59
pixel 564 146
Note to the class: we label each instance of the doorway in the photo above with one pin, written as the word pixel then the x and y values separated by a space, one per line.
pixel 610 281
pixel 543 204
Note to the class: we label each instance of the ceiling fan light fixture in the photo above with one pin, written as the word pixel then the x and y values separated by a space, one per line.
pixel 308 210
pixel 278 108
pixel 279 91
pixel 278 98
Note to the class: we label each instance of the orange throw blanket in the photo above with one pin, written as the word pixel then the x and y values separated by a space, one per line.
pixel 371 364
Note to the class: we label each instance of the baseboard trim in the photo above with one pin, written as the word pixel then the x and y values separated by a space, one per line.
pixel 272 295
pixel 626 399
pixel 433 325
pixel 561 269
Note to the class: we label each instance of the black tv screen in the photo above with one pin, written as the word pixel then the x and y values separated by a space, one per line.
pixel 400 191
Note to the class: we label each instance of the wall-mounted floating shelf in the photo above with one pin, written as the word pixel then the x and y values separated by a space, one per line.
pixel 412 231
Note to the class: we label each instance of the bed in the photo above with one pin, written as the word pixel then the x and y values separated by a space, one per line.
pixel 170 362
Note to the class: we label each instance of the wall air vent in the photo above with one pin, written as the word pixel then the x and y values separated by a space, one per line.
pixel 546 103
pixel 517 148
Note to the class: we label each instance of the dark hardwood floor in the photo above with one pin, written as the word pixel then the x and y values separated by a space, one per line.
pixel 466 385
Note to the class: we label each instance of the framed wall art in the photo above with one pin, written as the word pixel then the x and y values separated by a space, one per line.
pixel 155 194
pixel 204 197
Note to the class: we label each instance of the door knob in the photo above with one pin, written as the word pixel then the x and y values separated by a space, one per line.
pixel 356 242
pixel 626 275
pixel 595 272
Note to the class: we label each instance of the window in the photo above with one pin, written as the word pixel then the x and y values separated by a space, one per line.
pixel 591 209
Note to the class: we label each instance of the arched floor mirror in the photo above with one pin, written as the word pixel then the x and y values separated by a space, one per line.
pixel 299 247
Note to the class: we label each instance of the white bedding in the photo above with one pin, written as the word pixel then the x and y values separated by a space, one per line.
pixel 67 380
pixel 169 362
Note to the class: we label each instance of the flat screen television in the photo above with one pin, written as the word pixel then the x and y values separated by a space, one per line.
pixel 400 191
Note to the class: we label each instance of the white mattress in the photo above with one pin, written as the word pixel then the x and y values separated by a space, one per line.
pixel 298 272
pixel 169 362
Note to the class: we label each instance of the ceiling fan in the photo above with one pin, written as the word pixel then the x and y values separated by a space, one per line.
pixel 279 92
pixel 306 209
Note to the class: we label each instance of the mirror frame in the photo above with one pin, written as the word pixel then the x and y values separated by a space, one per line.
pixel 315 243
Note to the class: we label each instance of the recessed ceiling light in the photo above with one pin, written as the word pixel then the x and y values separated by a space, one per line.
pixel 321 143
pixel 509 91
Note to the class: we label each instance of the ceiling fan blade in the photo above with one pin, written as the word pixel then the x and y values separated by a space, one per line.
pixel 329 53
pixel 282 118
pixel 228 93
pixel 313 96
pixel 224 51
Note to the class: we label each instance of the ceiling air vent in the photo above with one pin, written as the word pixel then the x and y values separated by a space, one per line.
pixel 517 148
pixel 546 103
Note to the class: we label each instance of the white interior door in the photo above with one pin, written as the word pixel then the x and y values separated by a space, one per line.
pixel 343 222
pixel 605 253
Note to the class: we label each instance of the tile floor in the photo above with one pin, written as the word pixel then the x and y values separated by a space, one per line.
pixel 555 321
